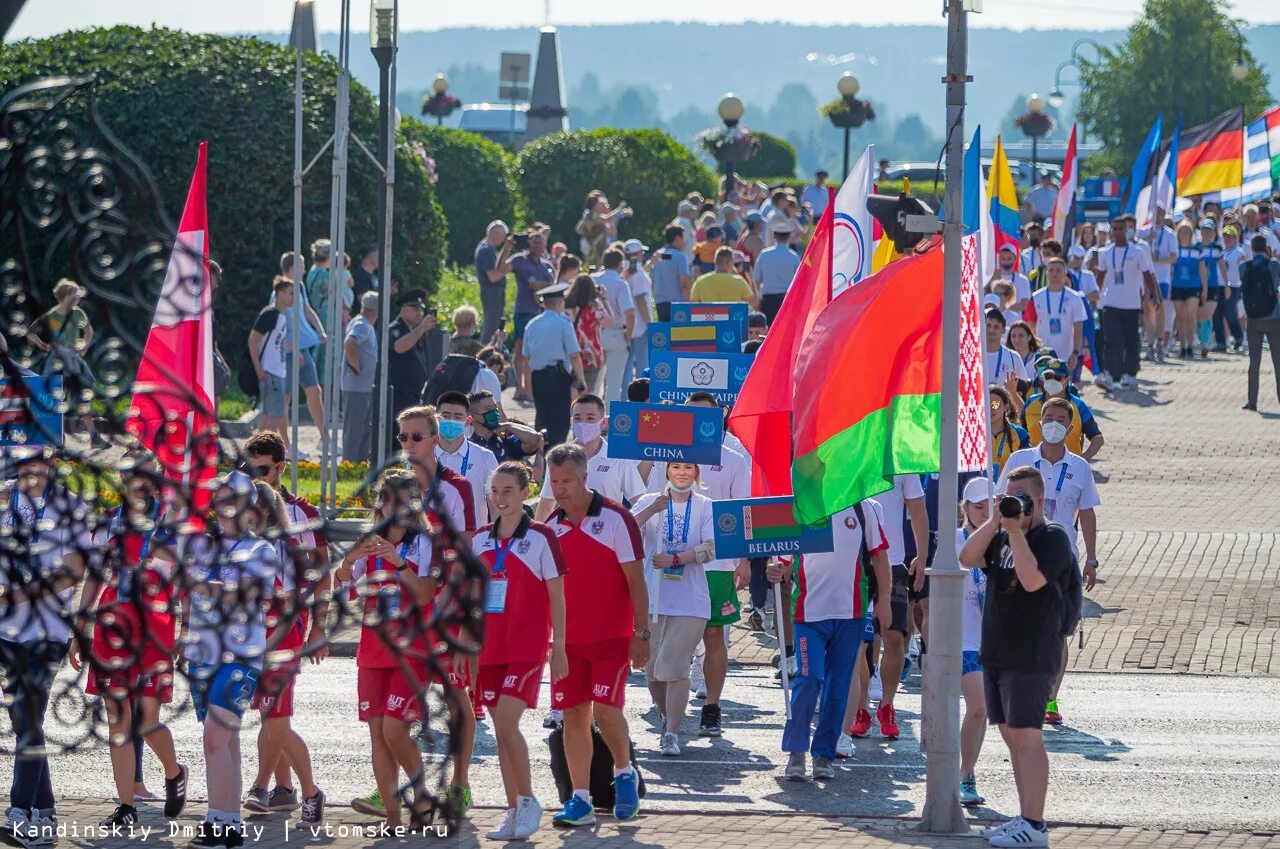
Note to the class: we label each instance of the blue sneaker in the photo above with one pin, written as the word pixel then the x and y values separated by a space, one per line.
pixel 969 794
pixel 576 813
pixel 626 790
pixel 906 669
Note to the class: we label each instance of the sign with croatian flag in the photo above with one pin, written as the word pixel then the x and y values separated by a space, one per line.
pixel 696 337
pixel 30 411
pixel 665 432
pixel 674 376
pixel 760 527
pixel 689 311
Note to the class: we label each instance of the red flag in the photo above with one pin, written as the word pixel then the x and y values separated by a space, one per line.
pixel 667 427
pixel 173 412
pixel 761 417
pixel 1060 224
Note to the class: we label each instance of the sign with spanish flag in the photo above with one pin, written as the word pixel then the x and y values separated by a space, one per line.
pixel 760 527
pixel 1211 156
pixel 698 337
pixel 665 432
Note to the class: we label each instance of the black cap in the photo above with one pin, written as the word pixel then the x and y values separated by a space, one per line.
pixel 413 296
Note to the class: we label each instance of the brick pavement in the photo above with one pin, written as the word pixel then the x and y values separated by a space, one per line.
pixel 668 831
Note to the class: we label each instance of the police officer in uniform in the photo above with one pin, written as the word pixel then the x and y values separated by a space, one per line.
pixel 407 362
pixel 555 359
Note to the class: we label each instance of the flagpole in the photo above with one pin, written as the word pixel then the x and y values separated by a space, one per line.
pixel 296 322
pixel 941 715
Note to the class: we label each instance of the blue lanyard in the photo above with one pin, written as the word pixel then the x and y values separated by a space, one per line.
pixel 999 360
pixel 1124 260
pixel 35 526
pixel 500 553
pixel 1062 475
pixel 466 459
pixel 671 522
pixel 1049 303
pixel 404 549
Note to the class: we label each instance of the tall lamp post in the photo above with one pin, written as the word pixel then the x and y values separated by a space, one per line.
pixel 1056 96
pixel 440 103
pixel 383 32
pixel 848 113
pixel 1035 124
pixel 731 109
pixel 302 37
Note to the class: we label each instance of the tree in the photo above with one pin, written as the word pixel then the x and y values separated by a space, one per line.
pixel 1176 59
pixel 777 158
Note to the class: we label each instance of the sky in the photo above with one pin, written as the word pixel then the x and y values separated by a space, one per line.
pixel 47 17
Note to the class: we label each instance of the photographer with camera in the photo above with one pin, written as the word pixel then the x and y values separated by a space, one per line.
pixel 1028 564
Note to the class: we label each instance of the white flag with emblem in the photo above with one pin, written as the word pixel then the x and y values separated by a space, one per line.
pixel 698 373
pixel 852 245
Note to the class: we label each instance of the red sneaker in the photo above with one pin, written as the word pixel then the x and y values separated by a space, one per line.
pixel 861 724
pixel 888 720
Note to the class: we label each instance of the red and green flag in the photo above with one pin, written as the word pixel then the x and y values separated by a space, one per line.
pixel 868 389
pixel 769 521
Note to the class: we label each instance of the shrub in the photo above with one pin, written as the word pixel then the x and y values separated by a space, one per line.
pixel 161 92
pixel 648 169
pixel 776 156
pixel 474 182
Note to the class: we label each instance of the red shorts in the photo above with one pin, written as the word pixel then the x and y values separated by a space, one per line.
pixel 274 694
pixel 387 691
pixel 518 680
pixel 597 673
pixel 129 658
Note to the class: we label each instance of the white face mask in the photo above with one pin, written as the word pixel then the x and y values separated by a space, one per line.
pixel 586 432
pixel 681 489
pixel 1053 387
pixel 1053 432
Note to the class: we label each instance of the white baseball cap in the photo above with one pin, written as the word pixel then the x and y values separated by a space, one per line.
pixel 979 490
pixel 634 246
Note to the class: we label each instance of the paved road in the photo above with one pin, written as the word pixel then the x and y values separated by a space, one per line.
pixel 1157 751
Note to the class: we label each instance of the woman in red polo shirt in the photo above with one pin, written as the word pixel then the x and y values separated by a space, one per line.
pixel 397 576
pixel 524 608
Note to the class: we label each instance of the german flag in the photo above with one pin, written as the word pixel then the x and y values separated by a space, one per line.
pixel 1211 156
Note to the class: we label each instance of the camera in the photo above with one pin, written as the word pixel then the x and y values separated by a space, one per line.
pixel 1013 506
pixel 521 242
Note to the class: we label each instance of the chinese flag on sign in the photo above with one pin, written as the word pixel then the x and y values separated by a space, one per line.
pixel 173 412
pixel 667 427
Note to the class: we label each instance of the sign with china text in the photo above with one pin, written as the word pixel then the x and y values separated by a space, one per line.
pixel 731 311
pixel 761 527
pixel 31 411
pixel 696 337
pixel 665 432
pixel 673 377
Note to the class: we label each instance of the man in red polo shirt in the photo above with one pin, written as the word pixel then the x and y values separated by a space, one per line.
pixel 606 618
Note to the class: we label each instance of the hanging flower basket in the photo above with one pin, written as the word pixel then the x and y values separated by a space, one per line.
pixel 729 144
pixel 440 105
pixel 848 112
pixel 1035 124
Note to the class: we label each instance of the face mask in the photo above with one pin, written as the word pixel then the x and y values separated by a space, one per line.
pixel 1007 266
pixel 1053 387
pixel 1128 234
pixel 450 429
pixel 586 432
pixel 1053 432
pixel 680 489
pixel 491 419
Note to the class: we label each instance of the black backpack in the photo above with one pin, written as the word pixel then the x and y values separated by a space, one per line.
pixel 1257 289
pixel 455 374
pixel 1071 589
pixel 246 377
pixel 601 789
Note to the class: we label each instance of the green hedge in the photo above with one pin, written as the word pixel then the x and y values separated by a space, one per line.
pixel 776 156
pixel 475 182
pixel 162 92
pixel 648 169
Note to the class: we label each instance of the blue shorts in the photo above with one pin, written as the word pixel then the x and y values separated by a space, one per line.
pixel 273 392
pixel 307 374
pixel 522 320
pixel 969 663
pixel 229 686
pixel 1164 291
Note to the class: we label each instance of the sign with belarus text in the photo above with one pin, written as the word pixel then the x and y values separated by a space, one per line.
pixel 673 377
pixel 665 432
pixel 760 527
pixel 696 337
pixel 30 411
pixel 730 311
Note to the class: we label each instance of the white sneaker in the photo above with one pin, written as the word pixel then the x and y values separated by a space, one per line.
pixel 844 747
pixel 528 817
pixel 913 649
pixel 507 829
pixel 1129 382
pixel 670 745
pixel 991 832
pixel 877 687
pixel 1103 380
pixel 44 830
pixel 697 680
pixel 1021 835
pixel 552 719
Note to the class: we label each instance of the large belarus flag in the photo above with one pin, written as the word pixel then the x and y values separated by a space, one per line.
pixel 173 411
pixel 761 416
pixel 868 389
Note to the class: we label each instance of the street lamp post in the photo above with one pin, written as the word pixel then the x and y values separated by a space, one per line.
pixel 848 86
pixel 730 110
pixel 1056 96
pixel 383 25
pixel 847 112
pixel 440 86
pixel 1035 124
pixel 302 36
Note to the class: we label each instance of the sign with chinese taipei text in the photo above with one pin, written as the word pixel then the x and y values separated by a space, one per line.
pixel 733 311
pixel 760 527
pixel 31 411
pixel 696 337
pixel 666 433
pixel 673 377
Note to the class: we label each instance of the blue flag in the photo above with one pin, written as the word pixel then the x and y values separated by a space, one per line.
pixel 1142 166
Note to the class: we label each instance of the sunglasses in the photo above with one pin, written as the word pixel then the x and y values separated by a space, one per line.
pixel 261 471
pixel 405 437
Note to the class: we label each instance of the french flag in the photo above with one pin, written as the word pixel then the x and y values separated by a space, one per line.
pixel 1060 229
pixel 173 412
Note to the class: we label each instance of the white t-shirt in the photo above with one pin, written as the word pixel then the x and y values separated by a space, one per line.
pixel 683 591
pixel 729 480
pixel 975 596
pixel 1088 283
pixel 830 585
pixel 1273 241
pixel 618 480
pixel 731 441
pixel 1068 486
pixel 475 463
pixel 1122 286
pixel 641 287
pixel 1233 257
pixel 54 530
pixel 1056 318
pixel 240 630
pixel 999 363
pixel 274 353
pixel 1164 250
pixel 487 381
pixel 892 504
pixel 1031 260
pixel 1021 286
